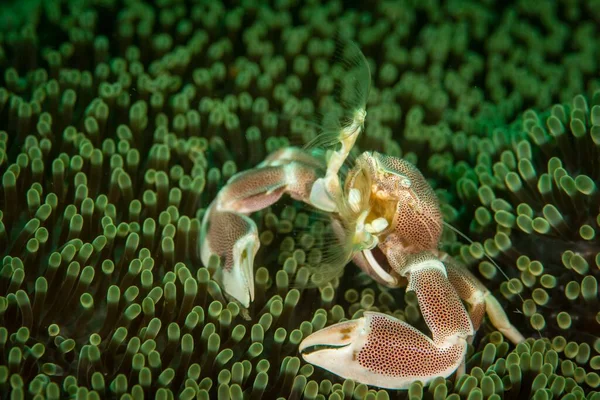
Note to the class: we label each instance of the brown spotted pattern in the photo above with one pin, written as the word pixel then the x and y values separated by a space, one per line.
pixel 442 309
pixel 221 241
pixel 399 258
pixel 396 349
pixel 418 219
pixel 468 287
pixel 258 188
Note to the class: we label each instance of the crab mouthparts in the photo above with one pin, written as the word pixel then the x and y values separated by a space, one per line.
pixel 379 264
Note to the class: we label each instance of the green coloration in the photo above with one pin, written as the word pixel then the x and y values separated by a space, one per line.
pixel 112 149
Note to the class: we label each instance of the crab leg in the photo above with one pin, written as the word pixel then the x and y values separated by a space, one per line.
pixel 479 298
pixel 383 351
pixel 228 232
pixel 380 350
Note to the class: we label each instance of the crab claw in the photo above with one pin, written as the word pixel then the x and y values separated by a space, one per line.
pixel 228 232
pixel 382 351
pixel 234 238
pixel 334 347
pixel 238 281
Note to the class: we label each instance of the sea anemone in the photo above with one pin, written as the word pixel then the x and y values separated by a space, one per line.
pixel 120 121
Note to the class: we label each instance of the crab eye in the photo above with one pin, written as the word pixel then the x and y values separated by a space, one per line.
pixel 405 183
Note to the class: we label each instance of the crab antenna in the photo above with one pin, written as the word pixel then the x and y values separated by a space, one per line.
pixel 468 239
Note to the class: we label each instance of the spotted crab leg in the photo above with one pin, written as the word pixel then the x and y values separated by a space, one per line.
pixel 380 350
pixel 481 301
pixel 228 232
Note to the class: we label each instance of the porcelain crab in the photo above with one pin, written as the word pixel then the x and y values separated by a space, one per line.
pixel 388 220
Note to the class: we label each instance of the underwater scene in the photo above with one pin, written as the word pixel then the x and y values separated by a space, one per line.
pixel 300 199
